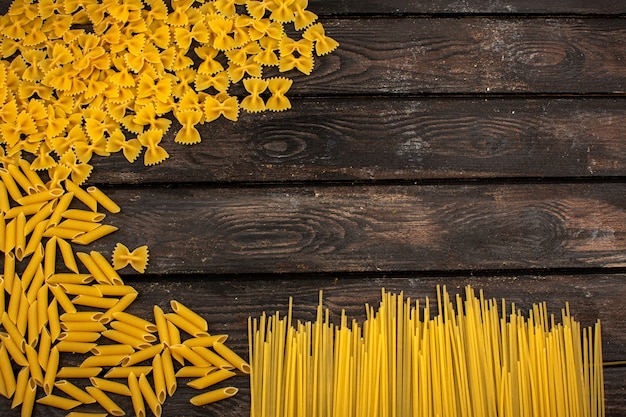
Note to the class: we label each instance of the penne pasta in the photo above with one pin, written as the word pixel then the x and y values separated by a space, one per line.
pixel 9 271
pixel 93 268
pixel 123 372
pixel 213 396
pixel 53 320
pixel 45 344
pixel 33 325
pixel 142 355
pixel 75 347
pixel 95 234
pixel 14 350
pixel 84 215
pixel 168 372
pixel 61 207
pixel 149 396
pixel 58 402
pixel 135 396
pixel 102 361
pixel 75 392
pixel 7 376
pixel 9 326
pixel 15 299
pixel 78 225
pixel 52 368
pixel 21 179
pixel 123 338
pixel 230 356
pixel 33 364
pixel 95 302
pixel 185 325
pixel 20 387
pixel 82 326
pixel 70 279
pixel 27 210
pixel 79 289
pixel 120 349
pixel 190 355
pixel 81 195
pixel 213 358
pixel 211 379
pixel 10 185
pixel 50 255
pixel 22 314
pixel 62 233
pixel 2 303
pixel 135 321
pixel 3 229
pixel 205 341
pixel 20 236
pixel 85 337
pixel 103 200
pixel 194 371
pixel 28 398
pixel 115 290
pixel 62 298
pixel 189 315
pixel 40 197
pixel 70 372
pixel 4 198
pixel 32 176
pixel 121 305
pixel 158 376
pixel 31 268
pixel 85 414
pixel 68 255
pixel 35 238
pixel 40 217
pixel 133 331
pixel 110 386
pixel 161 325
pixel 82 316
pixel 105 401
pixel 106 268
pixel 37 286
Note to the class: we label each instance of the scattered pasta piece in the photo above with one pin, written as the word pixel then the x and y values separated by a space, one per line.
pixel 137 259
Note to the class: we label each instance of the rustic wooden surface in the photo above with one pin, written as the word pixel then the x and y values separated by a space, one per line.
pixel 454 143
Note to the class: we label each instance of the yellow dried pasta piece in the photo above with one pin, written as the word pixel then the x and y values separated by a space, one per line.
pixel 137 259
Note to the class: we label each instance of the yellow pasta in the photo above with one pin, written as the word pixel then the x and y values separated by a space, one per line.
pixel 20 387
pixel 70 279
pixel 212 358
pixel 45 344
pixel 20 236
pixel 121 305
pixel 213 396
pixel 33 365
pixel 62 298
pixel 59 402
pixel 79 336
pixel 142 355
pixel 94 301
pixel 28 398
pixel 230 356
pixel 185 325
pixel 123 371
pixel 102 361
pixel 62 205
pixel 85 414
pixel 189 315
pixel 123 338
pixel 138 258
pixel 74 347
pixel 82 326
pixel 81 195
pixel 190 355
pixel 69 372
pixel 110 386
pixel 83 215
pixel 168 371
pixel 205 341
pixel 79 289
pixel 41 196
pixel 161 324
pixel 117 349
pixel 116 290
pixel 75 392
pixel 14 351
pixel 135 321
pixel 105 401
pixel 158 376
pixel 106 268
pixel 149 396
pixel 135 395
pixel 52 367
pixel 211 379
pixel 50 254
pixel 9 382
pixel 53 320
pixel 103 200
pixel 133 331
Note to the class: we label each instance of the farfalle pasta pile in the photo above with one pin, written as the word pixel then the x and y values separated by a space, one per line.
pixel 85 77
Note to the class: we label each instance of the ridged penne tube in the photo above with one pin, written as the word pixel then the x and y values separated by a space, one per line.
pixel 79 225
pixel 205 341
pixel 86 337
pixel 149 395
pixel 50 256
pixel 93 268
pixel 213 396
pixel 52 366
pixel 123 338
pixel 211 379
pixel 35 238
pixel 123 372
pixel 168 372
pixel 69 372
pixel 84 215
pixel 31 268
pixel 213 358
pixel 189 315
pixel 102 360
pixel 40 217
pixel 63 233
pixel 106 268
pixel 194 371
pixel 142 355
pixel 234 359
pixel 4 198
pixel 30 392
pixel 158 376
pixel 175 339
pixel 22 315
pixel 79 289
pixel 3 389
pixel 85 414
pixel 82 326
pixel 43 351
pixel 119 349
pixel 21 179
pixel 14 300
pixel 14 351
pixel 3 231
pixel 104 200
pixel 20 236
pixel 11 328
pixel 8 377
pixel 70 279
pixel 9 271
pixel 59 402
pixel 88 316
pixel 75 347
pixel 68 255
pixel 95 234
pixel 33 364
pixel 32 175
pixel 62 298
pixel 20 386
pixel 133 331
pixel 135 321
pixel 185 325
pixel 105 401
pixel 2 301
pixel 37 287
pixel 115 290
pixel 121 305
pixel 161 324
pixel 135 396
pixel 190 355
pixel 10 184
pixel 9 238
pixel 62 205
pixel 53 320
pixel 82 195
pixel 73 391
pixel 41 197
pixel 33 325
pixel 25 210
pixel 110 386
pixel 94 301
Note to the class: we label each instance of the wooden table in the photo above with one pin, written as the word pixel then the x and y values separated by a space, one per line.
pixel 466 142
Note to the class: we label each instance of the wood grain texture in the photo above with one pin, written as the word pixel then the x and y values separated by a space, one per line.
pixel 338 139
pixel 370 228
pixel 471 55
pixel 227 304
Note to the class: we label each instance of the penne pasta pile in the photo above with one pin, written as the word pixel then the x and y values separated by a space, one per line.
pixel 57 303
pixel 470 359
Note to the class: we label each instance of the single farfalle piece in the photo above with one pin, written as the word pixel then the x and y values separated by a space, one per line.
pixel 304 18
pixel 79 171
pixel 184 36
pixel 160 89
pixel 323 44
pixel 288 46
pixel 250 67
pixel 278 86
pixel 117 142
pixel 221 28
pixel 154 153
pixel 137 259
pixel 209 65
pixel 221 105
pixel 147 116
pixel 283 11
pixel 219 81
pixel 253 103
pixel 188 134
pixel 43 160
pixel 303 63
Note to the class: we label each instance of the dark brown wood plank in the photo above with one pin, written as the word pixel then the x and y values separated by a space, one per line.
pixel 227 304
pixel 396 138
pixel 367 228
pixel 471 55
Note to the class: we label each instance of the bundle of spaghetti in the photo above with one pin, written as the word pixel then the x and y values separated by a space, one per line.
pixel 468 358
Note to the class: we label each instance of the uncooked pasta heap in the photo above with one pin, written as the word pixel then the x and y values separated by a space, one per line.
pixel 469 359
